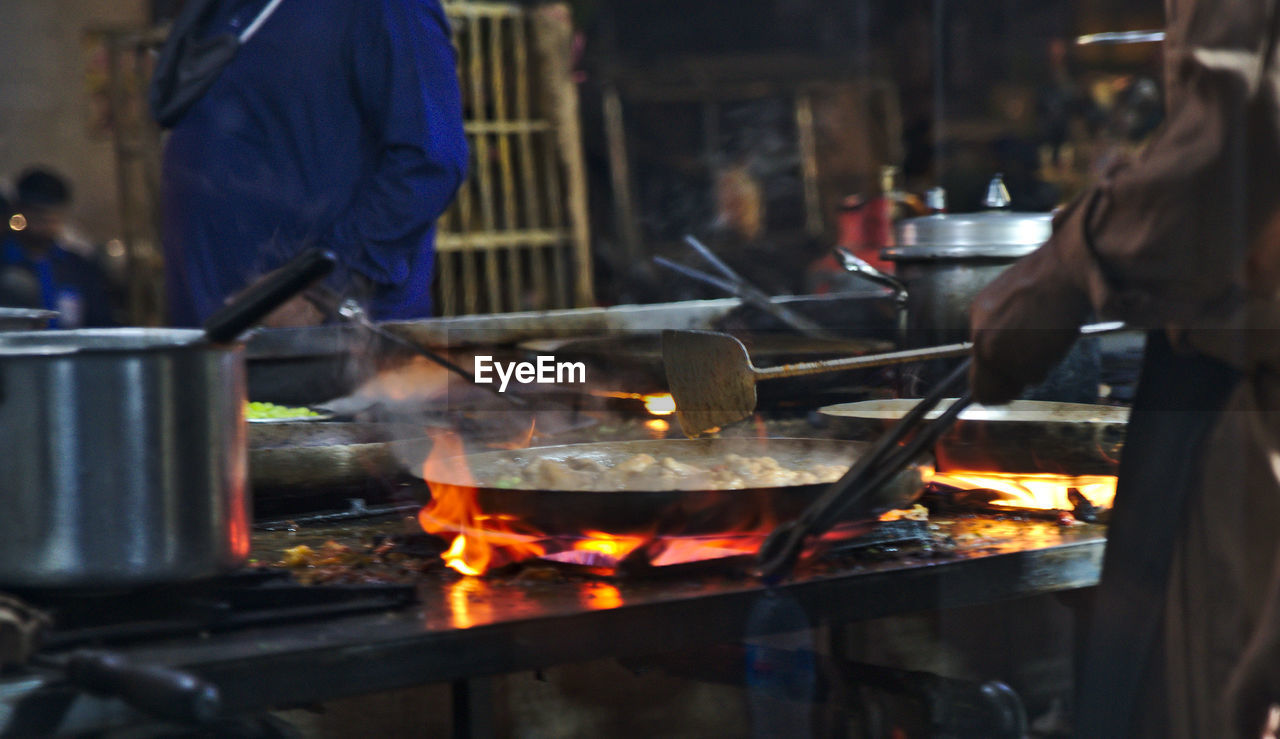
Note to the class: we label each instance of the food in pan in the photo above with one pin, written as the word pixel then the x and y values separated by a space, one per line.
pixel 647 472
pixel 259 411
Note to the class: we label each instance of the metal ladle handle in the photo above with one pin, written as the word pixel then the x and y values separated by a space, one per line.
pixel 269 293
pixel 349 310
pixel 170 693
pixel 856 265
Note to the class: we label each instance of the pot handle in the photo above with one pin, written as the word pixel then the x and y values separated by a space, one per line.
pixel 163 692
pixel 267 294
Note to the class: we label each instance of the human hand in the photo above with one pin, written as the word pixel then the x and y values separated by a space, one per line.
pixel 297 311
pixel 1021 325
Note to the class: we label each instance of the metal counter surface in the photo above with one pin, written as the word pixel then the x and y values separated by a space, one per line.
pixel 467 627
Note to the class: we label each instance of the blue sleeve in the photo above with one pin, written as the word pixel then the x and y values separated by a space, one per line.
pixel 406 86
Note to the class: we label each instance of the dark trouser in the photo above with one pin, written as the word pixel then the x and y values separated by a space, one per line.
pixel 1178 400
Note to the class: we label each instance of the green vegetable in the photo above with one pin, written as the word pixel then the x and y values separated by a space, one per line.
pixel 507 482
pixel 259 410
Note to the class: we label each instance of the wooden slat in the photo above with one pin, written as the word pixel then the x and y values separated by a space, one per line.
pixel 448 284
pixel 507 127
pixel 620 172
pixel 484 167
pixel 482 9
pixel 524 145
pixel 559 271
pixel 502 239
pixel 808 143
pixel 505 160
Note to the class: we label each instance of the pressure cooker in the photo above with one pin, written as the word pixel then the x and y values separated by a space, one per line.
pixel 946 259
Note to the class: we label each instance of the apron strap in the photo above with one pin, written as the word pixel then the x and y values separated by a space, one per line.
pixel 1179 399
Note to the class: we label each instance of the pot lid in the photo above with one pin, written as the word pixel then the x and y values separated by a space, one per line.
pixel 18 319
pixel 97 340
pixel 995 233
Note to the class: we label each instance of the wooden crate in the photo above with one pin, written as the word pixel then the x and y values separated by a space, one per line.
pixel 517 236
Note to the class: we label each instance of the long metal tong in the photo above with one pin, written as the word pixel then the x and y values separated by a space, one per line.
pixel 735 284
pixel 885 459
pixel 350 311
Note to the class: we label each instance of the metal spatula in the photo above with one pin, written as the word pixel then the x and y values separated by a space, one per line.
pixel 713 381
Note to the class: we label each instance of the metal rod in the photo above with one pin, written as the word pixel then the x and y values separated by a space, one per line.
pixel 800 369
pixel 695 274
pixel 1120 37
pixel 351 311
pixel 946 351
pixel 753 295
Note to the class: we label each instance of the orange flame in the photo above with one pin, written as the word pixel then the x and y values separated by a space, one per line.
pixel 601 596
pixel 456 558
pixel 659 404
pixel 609 545
pixel 480 541
pixel 658 428
pixel 1044 492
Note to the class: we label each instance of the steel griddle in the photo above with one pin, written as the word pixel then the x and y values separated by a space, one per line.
pixel 466 627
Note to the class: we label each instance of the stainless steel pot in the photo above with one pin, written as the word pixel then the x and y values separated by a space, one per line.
pixel 945 260
pixel 124 455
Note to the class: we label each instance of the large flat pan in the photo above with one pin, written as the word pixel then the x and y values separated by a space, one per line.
pixel 318 455
pixel 1026 436
pixel 669 512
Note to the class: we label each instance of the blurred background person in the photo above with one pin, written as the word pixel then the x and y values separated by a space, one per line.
pixel 333 124
pixel 37 270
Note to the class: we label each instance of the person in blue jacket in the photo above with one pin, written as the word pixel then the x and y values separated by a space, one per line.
pixel 337 124
pixel 36 271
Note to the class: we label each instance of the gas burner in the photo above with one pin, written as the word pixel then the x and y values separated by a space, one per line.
pixel 685 556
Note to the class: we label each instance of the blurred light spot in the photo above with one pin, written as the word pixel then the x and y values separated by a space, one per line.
pixel 18 222
pixel 657 428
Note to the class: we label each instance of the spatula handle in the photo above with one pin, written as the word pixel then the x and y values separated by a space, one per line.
pixel 798 369
pixel 945 351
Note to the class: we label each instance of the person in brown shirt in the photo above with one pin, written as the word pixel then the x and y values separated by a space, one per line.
pixel 1183 240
